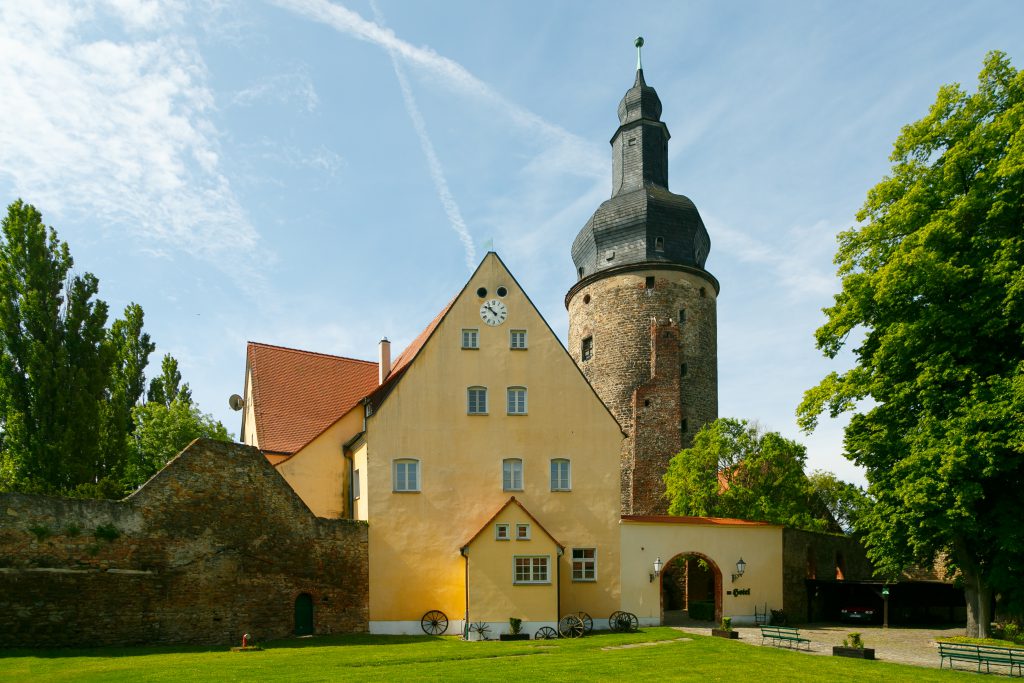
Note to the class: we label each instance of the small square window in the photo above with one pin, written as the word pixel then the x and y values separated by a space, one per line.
pixel 501 532
pixel 517 339
pixel 587 348
pixel 522 532
pixel 517 400
pixel 476 400
pixel 471 339
pixel 584 564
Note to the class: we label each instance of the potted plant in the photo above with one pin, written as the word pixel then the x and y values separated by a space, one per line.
pixel 853 646
pixel 725 630
pixel 515 628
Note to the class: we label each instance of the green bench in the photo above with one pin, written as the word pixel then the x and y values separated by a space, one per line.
pixel 1010 657
pixel 783 635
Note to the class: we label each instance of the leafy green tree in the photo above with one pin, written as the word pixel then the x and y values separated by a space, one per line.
pixel 736 469
pixel 845 502
pixel 933 289
pixel 54 364
pixel 167 387
pixel 162 431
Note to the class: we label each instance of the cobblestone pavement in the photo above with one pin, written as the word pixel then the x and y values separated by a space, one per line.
pixel 895 644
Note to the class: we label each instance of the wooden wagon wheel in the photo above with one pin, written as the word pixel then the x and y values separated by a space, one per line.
pixel 545 633
pixel 434 623
pixel 588 623
pixel 613 621
pixel 627 622
pixel 571 626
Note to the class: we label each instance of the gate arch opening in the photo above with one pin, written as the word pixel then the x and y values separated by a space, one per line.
pixel 690 584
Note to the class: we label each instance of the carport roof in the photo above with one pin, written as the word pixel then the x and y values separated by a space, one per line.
pixel 709 521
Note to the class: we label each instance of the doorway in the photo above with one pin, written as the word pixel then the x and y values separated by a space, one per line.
pixel 304 615
pixel 691 590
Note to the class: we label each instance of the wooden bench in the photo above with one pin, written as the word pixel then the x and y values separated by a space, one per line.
pixel 783 635
pixel 1010 657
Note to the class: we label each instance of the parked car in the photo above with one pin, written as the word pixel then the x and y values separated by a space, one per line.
pixel 859 613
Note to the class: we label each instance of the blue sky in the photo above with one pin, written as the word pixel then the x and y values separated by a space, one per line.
pixel 320 174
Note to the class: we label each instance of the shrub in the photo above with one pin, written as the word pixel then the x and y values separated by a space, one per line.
pixel 107 532
pixel 853 640
pixel 702 611
pixel 41 532
pixel 726 623
pixel 72 530
pixel 515 625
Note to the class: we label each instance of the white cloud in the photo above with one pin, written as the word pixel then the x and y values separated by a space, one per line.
pixel 118 130
pixel 290 87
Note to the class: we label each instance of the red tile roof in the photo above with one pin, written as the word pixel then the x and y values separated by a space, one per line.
pixel 714 521
pixel 298 394
pixel 402 361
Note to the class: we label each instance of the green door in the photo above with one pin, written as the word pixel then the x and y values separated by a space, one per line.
pixel 304 615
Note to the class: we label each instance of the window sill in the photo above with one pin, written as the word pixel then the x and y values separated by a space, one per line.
pixel 531 583
pixel 397 491
pixel 516 414
pixel 584 580
pixel 561 490
pixel 478 414
pixel 512 490
pixel 470 348
pixel 516 348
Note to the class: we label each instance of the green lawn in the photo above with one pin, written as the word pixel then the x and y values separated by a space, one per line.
pixel 400 658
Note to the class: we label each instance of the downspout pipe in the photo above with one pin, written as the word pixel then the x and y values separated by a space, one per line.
pixel 465 621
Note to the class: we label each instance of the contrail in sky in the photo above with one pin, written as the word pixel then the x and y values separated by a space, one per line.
pixel 436 172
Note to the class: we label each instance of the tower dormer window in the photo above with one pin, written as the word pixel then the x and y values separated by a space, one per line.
pixel 659 244
pixel 580 271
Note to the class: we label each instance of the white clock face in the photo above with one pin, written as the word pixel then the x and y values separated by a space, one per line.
pixel 493 312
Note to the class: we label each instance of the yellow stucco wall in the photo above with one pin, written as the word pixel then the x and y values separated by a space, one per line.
pixel 759 546
pixel 359 465
pixel 415 538
pixel 319 472
pixel 493 597
pixel 248 434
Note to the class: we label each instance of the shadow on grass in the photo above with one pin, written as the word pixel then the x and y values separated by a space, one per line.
pixel 355 639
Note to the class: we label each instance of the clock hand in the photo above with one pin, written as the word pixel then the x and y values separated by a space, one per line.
pixel 493 312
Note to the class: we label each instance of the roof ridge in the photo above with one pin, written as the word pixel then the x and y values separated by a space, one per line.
pixel 310 353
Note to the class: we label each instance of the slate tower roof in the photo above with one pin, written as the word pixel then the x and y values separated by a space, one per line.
pixel 643 224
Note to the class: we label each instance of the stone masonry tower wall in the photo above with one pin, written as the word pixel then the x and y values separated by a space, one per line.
pixel 642 322
pixel 660 389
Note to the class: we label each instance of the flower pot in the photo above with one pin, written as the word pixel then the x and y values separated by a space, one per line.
pixel 719 633
pixel 514 636
pixel 855 652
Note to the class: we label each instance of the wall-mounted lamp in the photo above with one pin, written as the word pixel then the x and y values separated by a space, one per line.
pixel 741 567
pixel 657 569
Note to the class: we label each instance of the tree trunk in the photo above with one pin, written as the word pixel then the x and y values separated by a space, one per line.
pixel 979 601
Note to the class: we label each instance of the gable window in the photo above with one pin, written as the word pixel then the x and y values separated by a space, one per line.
pixel 517 400
pixel 560 479
pixel 522 532
pixel 501 532
pixel 531 569
pixel 587 348
pixel 584 564
pixel 471 339
pixel 476 401
pixel 512 474
pixel 355 485
pixel 406 475
pixel 517 339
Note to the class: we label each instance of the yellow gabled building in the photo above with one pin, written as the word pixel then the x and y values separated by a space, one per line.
pixel 483 461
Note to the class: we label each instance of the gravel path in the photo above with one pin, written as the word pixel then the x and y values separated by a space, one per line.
pixel 904 645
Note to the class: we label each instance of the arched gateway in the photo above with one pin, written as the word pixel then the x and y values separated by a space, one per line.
pixel 691 582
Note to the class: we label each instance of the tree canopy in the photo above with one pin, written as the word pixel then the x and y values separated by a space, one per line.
pixel 933 290
pixel 69 387
pixel 736 469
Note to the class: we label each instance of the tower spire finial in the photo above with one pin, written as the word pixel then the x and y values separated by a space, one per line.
pixel 639 42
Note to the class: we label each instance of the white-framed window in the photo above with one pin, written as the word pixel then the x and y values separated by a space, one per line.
pixel 531 569
pixel 517 339
pixel 471 339
pixel 355 485
pixel 522 532
pixel 584 564
pixel 476 400
pixel 501 532
pixel 406 473
pixel 512 474
pixel 561 479
pixel 517 400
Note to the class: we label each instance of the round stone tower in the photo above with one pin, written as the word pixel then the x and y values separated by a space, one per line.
pixel 642 323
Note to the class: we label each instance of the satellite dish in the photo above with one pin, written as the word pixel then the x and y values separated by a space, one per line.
pixel 236 402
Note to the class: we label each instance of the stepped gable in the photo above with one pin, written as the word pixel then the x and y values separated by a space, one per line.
pixel 298 394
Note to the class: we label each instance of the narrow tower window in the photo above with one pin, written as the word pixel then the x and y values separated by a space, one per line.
pixel 659 244
pixel 683 427
pixel 580 271
pixel 649 282
pixel 587 348
pixel 703 292
pixel 682 370
pixel 682 316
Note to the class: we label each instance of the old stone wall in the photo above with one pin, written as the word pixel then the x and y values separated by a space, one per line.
pixel 213 546
pixel 821 556
pixel 615 311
